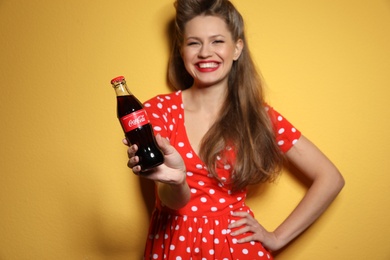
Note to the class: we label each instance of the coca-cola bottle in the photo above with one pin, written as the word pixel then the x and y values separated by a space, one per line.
pixel 136 125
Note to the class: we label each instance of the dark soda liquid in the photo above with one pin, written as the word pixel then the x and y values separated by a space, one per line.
pixel 149 153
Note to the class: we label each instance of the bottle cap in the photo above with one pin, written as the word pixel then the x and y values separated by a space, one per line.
pixel 117 79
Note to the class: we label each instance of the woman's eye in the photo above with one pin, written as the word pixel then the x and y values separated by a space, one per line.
pixel 218 41
pixel 192 43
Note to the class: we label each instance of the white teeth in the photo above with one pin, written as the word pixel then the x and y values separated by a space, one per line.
pixel 208 65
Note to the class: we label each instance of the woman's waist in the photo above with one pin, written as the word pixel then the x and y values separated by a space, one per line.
pixel 203 211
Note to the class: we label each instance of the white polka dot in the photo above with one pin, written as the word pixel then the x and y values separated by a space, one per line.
pixel 211 191
pixel 234 240
pixel 189 155
pixel 178 258
pixel 155 256
pixel 216 222
pixel 193 190
pixel 245 251
pixel 166 236
pixel 293 130
pixel 159 105
pixel 227 167
pixel 280 118
pixel 157 128
pixel 194 208
pixel 203 199
pixel 180 144
pixel 214 209
pixel 197 250
pixel 190 174
pixel 199 166
pixel 224 232
pixel 239 198
pixel 200 230
pixel 216 241
pixel 147 105
pixel 182 238
pixel 281 131
pixel 211 251
pixel 190 229
pixel 295 141
pixel 201 183
pixel 155 115
pixel 177 227
pixel 204 240
pixel 188 249
pixel 222 200
pixel 281 142
pixel 172 247
pixel 260 253
pixel 171 127
pixel 211 231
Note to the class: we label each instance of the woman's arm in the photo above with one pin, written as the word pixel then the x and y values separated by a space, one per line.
pixel 170 177
pixel 327 182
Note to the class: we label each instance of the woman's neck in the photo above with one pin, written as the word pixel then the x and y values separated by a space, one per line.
pixel 205 100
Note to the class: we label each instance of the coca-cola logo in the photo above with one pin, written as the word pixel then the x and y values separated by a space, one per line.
pixel 137 121
pixel 134 120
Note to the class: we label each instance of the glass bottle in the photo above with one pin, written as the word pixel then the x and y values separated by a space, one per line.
pixel 136 126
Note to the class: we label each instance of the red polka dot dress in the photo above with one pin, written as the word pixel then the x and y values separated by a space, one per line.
pixel 200 229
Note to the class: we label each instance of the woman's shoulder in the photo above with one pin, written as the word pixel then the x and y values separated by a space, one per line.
pixel 164 102
pixel 172 97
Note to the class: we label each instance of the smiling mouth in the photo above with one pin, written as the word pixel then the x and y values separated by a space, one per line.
pixel 208 65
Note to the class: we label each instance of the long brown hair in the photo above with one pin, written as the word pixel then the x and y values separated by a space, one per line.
pixel 243 121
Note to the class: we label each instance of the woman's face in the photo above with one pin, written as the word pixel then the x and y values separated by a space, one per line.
pixel 208 50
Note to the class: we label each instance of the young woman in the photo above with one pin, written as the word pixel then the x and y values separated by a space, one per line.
pixel 219 136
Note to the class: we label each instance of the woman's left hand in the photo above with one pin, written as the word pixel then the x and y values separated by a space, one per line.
pixel 249 229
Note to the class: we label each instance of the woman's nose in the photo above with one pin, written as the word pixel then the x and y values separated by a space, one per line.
pixel 205 51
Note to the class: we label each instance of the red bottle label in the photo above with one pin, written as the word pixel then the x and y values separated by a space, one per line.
pixel 134 120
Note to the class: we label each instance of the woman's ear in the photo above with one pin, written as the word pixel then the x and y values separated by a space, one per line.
pixel 238 49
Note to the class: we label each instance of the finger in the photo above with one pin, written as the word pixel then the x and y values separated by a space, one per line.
pixel 136 169
pixel 132 150
pixel 164 144
pixel 241 231
pixel 247 239
pixel 240 214
pixel 125 142
pixel 238 223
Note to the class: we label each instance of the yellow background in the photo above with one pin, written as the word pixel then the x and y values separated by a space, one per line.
pixel 65 190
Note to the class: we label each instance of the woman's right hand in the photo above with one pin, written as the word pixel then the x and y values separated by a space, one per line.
pixel 172 171
pixel 170 177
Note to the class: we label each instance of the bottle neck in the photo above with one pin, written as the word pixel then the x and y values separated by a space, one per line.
pixel 121 89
